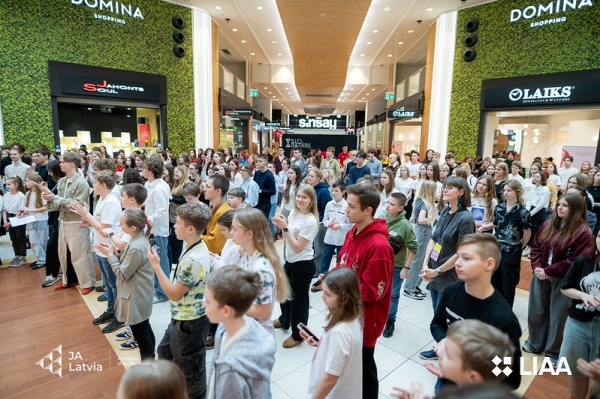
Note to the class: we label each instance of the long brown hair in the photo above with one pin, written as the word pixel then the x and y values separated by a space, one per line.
pixel 489 196
pixel 343 282
pixel 288 184
pixel 254 220
pixel 310 193
pixel 390 186
pixel 35 190
pixel 177 189
pixel 559 229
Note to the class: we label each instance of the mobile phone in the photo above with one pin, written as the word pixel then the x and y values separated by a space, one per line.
pixel 153 242
pixel 302 327
pixel 317 283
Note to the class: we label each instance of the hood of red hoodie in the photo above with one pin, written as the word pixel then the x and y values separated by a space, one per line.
pixel 378 226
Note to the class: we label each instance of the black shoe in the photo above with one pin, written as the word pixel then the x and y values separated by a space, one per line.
pixel 114 325
pixel 37 266
pixel 102 298
pixel 210 341
pixel 102 288
pixel 33 264
pixel 528 349
pixel 390 326
pixel 103 318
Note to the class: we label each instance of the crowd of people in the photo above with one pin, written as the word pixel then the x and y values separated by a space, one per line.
pixel 199 230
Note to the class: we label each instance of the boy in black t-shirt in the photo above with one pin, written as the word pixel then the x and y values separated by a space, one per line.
pixel 474 297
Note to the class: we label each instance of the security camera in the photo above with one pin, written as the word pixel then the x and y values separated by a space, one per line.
pixel 227 20
pixel 419 21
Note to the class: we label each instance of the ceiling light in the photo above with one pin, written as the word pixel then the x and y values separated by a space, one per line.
pixel 89 109
pixel 218 7
pixel 387 9
pixel 368 94
pixel 275 97
pixel 525 126
pixel 411 31
pixel 128 109
pixel 362 55
pixel 274 41
pixel 369 43
pixel 363 98
pixel 270 92
pixel 430 9
pixel 259 8
pixel 234 29
pixel 360 101
pixel 279 54
pixel 287 88
pixel 401 43
pixel 372 89
pixel 243 41
pixel 289 92
pixel 269 30
pixel 389 56
pixel 375 31
pixel 266 88
pixel 252 53
pixel 351 89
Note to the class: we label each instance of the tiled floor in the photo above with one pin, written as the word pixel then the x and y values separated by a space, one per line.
pixel 397 357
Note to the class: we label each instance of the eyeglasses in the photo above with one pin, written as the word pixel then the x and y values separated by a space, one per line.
pixel 448 188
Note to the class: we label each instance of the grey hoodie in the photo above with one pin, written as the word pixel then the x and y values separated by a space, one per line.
pixel 244 371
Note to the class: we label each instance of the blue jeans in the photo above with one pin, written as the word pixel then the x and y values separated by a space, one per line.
pixel 110 282
pixel 396 285
pixel 435 297
pixel 327 255
pixel 163 250
pixel 38 236
pixel 271 215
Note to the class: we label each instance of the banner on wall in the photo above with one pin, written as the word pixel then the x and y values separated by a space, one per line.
pixel 144 134
pixel 313 141
pixel 579 154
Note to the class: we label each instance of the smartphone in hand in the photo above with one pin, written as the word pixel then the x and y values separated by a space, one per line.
pixel 305 329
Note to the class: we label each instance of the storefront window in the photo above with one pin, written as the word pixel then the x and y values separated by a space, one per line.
pixel 234 133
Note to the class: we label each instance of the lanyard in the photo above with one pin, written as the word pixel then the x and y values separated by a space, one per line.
pixel 181 257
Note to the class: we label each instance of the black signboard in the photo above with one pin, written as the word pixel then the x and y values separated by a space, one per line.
pixel 309 122
pixel 107 87
pixel 403 113
pixel 542 91
pixel 273 124
pixel 313 141
pixel 237 111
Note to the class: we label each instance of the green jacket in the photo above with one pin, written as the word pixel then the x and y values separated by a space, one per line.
pixel 403 237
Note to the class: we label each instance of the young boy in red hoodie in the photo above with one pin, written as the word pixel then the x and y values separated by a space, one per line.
pixel 367 251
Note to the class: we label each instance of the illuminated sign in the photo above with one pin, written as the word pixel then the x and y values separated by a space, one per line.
pixel 403 113
pixel 95 86
pixel 111 6
pixel 551 12
pixel 325 122
pixel 237 112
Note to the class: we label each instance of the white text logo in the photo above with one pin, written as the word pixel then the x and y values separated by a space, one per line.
pixel 52 361
pixel 542 94
pixel 317 123
pixel 553 7
pixel 112 6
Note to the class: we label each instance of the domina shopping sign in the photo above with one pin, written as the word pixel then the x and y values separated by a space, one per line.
pixel 111 10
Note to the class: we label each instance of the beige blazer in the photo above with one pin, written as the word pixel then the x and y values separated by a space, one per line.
pixel 135 281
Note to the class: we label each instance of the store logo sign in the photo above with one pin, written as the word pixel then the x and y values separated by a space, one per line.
pixel 105 87
pixel 541 94
pixel 402 113
pixel 548 11
pixel 312 123
pixel 114 7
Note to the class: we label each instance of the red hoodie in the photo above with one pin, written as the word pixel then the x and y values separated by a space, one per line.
pixel 371 256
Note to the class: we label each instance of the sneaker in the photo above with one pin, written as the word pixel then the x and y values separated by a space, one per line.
pixel 62 286
pixel 50 280
pixel 124 336
pixel 390 326
pixel 420 292
pixel 103 318
pixel 412 295
pixel 60 273
pixel 526 251
pixel 158 300
pixel 113 326
pixel 33 264
pixel 210 341
pixel 102 288
pixel 529 349
pixel 428 355
pixel 130 344
pixel 86 290
pixel 290 342
pixel 37 266
pixel 16 262
pixel 102 298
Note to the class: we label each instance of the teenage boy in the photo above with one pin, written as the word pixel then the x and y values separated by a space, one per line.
pixel 367 251
pixel 348 164
pixel 249 186
pixel 157 210
pixel 359 170
pixel 299 161
pixel 266 185
pixel 72 188
pixel 342 156
pixel 375 165
pixel 413 166
pixel 566 172
pixel 106 215
pixel 40 157
pixel 236 198
pixel 185 337
pixel 474 297
pixel 330 163
pixel 215 190
pixel 244 350
pixel 404 242
pixel 451 162
pixel 191 192
pixel 336 222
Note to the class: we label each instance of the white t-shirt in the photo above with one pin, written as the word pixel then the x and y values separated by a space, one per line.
pixel 302 226
pixel 404 185
pixel 12 202
pixel 39 216
pixel 555 179
pixel 260 264
pixel 230 255
pixel 107 211
pixel 519 178
pixel 565 174
pixel 340 354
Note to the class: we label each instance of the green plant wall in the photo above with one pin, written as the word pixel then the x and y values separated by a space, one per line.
pixel 35 31
pixel 508 49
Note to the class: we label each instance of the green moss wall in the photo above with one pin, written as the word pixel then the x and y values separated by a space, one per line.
pixel 508 49
pixel 35 31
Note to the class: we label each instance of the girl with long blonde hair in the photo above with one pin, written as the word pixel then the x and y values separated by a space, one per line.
pixel 38 230
pixel 483 203
pixel 252 232
pixel 180 179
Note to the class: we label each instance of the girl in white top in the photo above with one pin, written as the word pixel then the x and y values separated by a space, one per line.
pixel 553 174
pixel 483 203
pixel 404 183
pixel 433 174
pixel 234 168
pixel 38 230
pixel 253 234
pixel 336 370
pixel 385 188
pixel 283 175
pixel 528 185
pixel 515 170
pixel 230 254
pixel 422 177
pixel 299 232
pixel 288 196
pixel 14 200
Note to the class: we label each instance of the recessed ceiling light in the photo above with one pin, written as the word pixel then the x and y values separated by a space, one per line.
pixel 372 89
pixel 289 92
pixel 368 94
pixel 369 43
pixel 274 41
pixel 375 31
pixel 390 55
pixel 400 43
pixel 252 53
pixel 234 29
pixel 430 9
pixel 269 30
pixel 270 92
pixel 287 88
pixel 387 9
pixel 362 55
pixel 411 31
pixel 259 8
pixel 279 54
pixel 89 109
pixel 218 7
pixel 363 98
pixel 360 101
pixel 351 89
pixel 243 41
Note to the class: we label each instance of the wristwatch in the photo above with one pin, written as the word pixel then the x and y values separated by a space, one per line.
pixel 440 271
pixel 112 233
pixel 285 230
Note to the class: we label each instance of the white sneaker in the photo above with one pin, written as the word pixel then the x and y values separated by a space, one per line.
pixel 526 251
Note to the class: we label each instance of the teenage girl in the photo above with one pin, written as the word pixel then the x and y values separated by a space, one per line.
pixel 38 230
pixel 336 370
pixel 135 279
pixel 422 177
pixel 385 188
pixel 14 200
pixel 252 233
pixel 405 185
pixel 483 203
pixel 288 197
pixel 180 178
pixel 193 173
pixel 299 233
pixel 501 175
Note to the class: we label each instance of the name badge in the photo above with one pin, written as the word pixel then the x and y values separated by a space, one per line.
pixel 435 254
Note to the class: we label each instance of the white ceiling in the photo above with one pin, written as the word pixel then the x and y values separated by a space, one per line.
pixel 258 36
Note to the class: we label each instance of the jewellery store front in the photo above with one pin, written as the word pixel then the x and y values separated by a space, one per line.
pixel 114 108
pixel 550 115
pixel 405 118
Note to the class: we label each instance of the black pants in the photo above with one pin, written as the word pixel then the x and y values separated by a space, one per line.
pixel 175 246
pixel 264 207
pixel 295 310
pixel 506 278
pixel 536 222
pixel 370 381
pixel 143 334
pixel 184 343
pixel 18 239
